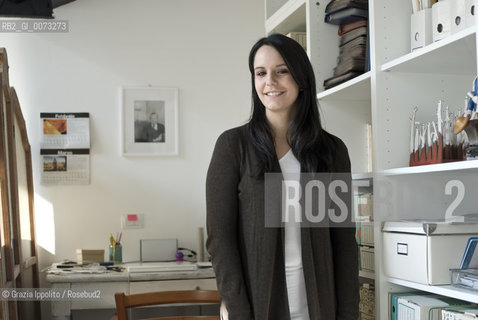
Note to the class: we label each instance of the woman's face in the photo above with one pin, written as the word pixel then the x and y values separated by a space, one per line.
pixel 273 82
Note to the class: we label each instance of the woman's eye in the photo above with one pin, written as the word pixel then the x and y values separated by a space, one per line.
pixel 260 74
pixel 283 71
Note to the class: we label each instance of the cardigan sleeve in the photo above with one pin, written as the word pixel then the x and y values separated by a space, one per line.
pixel 345 254
pixel 222 217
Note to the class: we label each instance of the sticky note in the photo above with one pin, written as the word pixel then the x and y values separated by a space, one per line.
pixel 132 217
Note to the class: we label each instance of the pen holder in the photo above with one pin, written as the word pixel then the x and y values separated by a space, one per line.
pixel 116 253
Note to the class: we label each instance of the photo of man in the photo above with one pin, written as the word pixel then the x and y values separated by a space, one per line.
pixel 149 122
pixel 154 132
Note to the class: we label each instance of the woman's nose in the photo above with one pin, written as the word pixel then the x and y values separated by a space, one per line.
pixel 271 79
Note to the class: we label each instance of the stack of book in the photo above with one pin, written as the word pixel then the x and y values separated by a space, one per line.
pixel 352 60
pixel 345 11
pixel 353 57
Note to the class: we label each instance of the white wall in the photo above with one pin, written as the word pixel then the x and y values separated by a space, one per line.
pixel 201 47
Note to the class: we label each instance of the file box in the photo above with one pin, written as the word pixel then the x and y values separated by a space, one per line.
pixel 457 15
pixel 421 29
pixel 469 16
pixel 441 20
pixel 424 252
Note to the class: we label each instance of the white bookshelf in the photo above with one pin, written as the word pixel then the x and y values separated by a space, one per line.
pixel 357 88
pixel 362 176
pixel 398 81
pixel 290 17
pixel 443 290
pixel 461 46
pixel 471 165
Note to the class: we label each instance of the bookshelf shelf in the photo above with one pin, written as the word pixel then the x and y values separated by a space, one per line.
pixel 362 176
pixel 357 88
pixel 290 17
pixel 460 46
pixel 444 290
pixel 440 167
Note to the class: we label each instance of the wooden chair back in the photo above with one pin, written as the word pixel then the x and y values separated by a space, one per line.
pixel 124 302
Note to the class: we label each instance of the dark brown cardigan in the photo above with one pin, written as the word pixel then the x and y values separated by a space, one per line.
pixel 248 258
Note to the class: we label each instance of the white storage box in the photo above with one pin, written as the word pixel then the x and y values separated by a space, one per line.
pixel 457 15
pixel 470 6
pixel 421 29
pixel 441 20
pixel 424 252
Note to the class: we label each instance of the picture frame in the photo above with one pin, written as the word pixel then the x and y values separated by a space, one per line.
pixel 149 121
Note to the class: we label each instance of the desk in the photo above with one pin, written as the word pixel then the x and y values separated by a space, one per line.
pixel 111 282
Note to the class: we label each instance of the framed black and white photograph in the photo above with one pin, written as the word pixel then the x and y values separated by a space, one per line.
pixel 150 121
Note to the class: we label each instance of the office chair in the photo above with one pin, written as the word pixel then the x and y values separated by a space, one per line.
pixel 124 302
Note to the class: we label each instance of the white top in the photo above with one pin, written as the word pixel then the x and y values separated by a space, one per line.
pixel 290 167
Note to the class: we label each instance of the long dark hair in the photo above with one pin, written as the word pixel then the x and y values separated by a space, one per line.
pixel 307 139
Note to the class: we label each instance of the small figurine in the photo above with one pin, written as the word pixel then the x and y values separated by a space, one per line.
pixel 461 122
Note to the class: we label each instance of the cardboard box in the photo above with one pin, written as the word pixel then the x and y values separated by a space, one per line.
pixel 420 306
pixel 459 313
pixel 89 256
pixel 424 252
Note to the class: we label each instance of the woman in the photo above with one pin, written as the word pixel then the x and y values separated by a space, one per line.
pixel 278 273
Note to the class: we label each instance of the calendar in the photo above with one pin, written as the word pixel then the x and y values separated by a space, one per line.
pixel 65 148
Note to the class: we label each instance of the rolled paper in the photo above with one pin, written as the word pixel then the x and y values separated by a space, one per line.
pixel 200 244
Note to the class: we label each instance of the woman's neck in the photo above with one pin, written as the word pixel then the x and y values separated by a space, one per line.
pixel 279 124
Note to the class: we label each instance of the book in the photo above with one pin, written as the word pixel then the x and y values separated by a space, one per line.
pixel 346 15
pixel 349 36
pixel 359 41
pixel 344 28
pixel 459 313
pixel 367 53
pixel 352 64
pixel 470 259
pixel 336 80
pixel 356 51
pixel 336 5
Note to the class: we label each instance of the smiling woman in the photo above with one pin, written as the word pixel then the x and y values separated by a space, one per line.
pixel 261 270
pixel 273 82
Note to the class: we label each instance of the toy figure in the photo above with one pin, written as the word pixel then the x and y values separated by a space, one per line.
pixel 462 122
